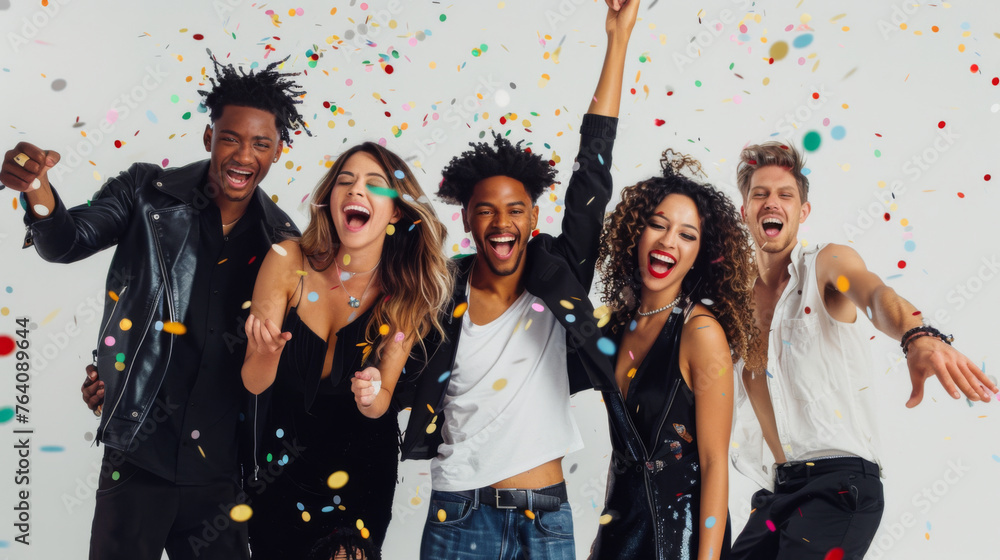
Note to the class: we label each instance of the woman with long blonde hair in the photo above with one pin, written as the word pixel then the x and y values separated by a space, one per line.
pixel 343 305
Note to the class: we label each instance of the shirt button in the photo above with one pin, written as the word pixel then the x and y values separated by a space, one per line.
pixel 211 331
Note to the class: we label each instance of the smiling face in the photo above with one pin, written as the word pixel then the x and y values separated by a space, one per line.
pixel 669 244
pixel 359 205
pixel 774 209
pixel 244 142
pixel 500 216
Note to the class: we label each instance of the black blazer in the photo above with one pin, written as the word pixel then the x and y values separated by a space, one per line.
pixel 559 270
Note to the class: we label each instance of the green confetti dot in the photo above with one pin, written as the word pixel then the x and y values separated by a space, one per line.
pixel 642 58
pixel 6 413
pixel 174 98
pixel 115 475
pixel 697 83
pixel 186 116
pixel 269 457
pixel 475 52
pixel 484 47
pixel 120 357
pixel 812 141
pixel 732 65
pixel 878 153
pixel 443 17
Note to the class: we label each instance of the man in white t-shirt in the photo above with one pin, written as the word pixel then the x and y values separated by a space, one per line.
pixel 808 410
pixel 492 406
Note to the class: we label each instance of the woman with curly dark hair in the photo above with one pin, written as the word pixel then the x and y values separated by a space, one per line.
pixel 677 273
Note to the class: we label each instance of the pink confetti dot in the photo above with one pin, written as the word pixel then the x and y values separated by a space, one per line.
pixel 737 99
pixel 412 41
pixel 364 5
pixel 465 243
pixel 165 162
pixel 382 142
pixel 301 12
pixel 349 82
pixel 109 341
pixel 435 116
pixel 770 525
pixel 538 307
pixel 789 27
pixel 111 116
pixel 802 60
pixel 455 216
pixel 195 434
pixel 743 28
pixel 718 27
pixel 269 13
pixel 400 336
pixel 406 106
pixel 826 122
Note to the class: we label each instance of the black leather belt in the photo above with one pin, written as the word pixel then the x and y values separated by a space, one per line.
pixel 800 470
pixel 549 498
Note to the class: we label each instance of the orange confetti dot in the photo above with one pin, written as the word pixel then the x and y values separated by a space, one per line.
pixel 961 195
pixel 935 28
pixel 174 327
pixel 460 309
pixel 843 284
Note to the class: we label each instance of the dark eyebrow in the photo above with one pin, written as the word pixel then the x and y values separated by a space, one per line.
pixel 664 217
pixel 234 133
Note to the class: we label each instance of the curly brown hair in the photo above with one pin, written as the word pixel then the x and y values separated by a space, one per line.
pixel 723 271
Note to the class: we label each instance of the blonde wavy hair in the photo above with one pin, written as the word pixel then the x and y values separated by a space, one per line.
pixel 415 277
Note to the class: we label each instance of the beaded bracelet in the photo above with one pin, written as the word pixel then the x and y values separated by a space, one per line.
pixel 923 330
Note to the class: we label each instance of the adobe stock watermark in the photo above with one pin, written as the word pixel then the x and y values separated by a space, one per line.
pixel 456 114
pixel 901 14
pixel 914 168
pixel 706 37
pixel 891 533
pixel 32 25
pixel 123 105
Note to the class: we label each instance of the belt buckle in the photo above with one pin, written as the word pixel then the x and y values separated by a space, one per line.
pixel 496 495
pixel 780 477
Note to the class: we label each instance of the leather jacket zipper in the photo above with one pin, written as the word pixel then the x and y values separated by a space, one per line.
pixel 104 331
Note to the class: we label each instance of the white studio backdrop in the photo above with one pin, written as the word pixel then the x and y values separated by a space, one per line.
pixel 902 98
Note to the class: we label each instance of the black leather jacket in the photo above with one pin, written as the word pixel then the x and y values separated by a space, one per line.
pixel 151 214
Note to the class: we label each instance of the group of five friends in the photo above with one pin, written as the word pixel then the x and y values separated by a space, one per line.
pixel 709 312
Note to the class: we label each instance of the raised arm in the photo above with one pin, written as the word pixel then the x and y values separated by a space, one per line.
pixel 273 289
pixel 705 352
pixel 618 25
pixel 841 269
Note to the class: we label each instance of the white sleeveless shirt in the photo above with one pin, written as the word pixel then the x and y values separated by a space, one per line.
pixel 507 408
pixel 819 375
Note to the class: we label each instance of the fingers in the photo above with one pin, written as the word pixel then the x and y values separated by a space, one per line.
pixel 24 164
pixel 917 394
pixel 977 387
pixel 980 378
pixel 92 389
pixel 962 382
pixel 364 374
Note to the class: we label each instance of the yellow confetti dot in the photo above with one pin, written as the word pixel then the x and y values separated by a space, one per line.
pixel 460 309
pixel 605 519
pixel 174 327
pixel 113 296
pixel 529 514
pixel 347 260
pixel 241 513
pixel 499 384
pixel 306 517
pixel 805 18
pixel 631 373
pixel 431 428
pixel 843 284
pixel 430 408
pixel 383 330
pixel 390 229
pixel 202 451
pixel 120 366
pixel 125 324
pixel 566 304
pixel 337 480
pixel 4 311
pixel 415 500
pixel 442 515
pixel 246 305
pixel 365 533
pixel 432 65
pixel 904 222
pixel 735 445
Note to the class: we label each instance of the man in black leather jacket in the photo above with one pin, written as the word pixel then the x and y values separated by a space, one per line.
pixel 189 242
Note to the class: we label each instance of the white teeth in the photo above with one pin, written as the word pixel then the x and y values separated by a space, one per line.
pixel 502 239
pixel 237 171
pixel 357 208
pixel 768 221
pixel 663 258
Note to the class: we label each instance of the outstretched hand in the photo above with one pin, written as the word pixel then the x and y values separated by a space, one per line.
pixel 26 167
pixel 264 337
pixel 621 17
pixel 928 356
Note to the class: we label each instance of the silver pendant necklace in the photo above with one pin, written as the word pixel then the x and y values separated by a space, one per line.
pixel 351 300
pixel 664 308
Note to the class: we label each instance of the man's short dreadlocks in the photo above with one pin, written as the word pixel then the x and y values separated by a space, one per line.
pixel 266 90
pixel 484 161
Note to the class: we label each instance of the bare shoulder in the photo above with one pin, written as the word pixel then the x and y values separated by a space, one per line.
pixel 703 332
pixel 281 265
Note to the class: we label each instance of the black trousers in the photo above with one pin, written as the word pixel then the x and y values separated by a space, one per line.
pixel 139 515
pixel 832 503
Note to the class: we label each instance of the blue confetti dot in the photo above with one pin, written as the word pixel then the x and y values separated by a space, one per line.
pixel 806 171
pixel 910 246
pixel 600 159
pixel 803 40
pixel 158 325
pixel 769 374
pixel 996 458
pixel 10 289
pixel 444 376
pixel 152 117
pixel 965 25
pixel 838 132
pixel 284 459
pixel 928 525
pixel 300 506
pixel 254 65
pixel 242 417
pixel 336 500
pixel 632 325
pixel 4 544
pixel 709 522
pixel 570 318
pixel 327 509
pixel 399 174
pixel 313 297
pixel 202 108
pixel 743 37
pixel 279 432
pixel 52 448
pixel 606 346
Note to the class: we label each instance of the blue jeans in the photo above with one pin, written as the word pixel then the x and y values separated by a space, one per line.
pixel 474 531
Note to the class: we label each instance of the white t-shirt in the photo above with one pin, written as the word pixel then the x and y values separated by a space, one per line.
pixel 507 408
pixel 819 374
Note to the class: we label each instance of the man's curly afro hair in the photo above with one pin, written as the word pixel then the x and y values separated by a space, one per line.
pixel 266 90
pixel 484 161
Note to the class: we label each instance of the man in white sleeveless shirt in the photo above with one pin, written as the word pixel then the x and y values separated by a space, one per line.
pixel 807 409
